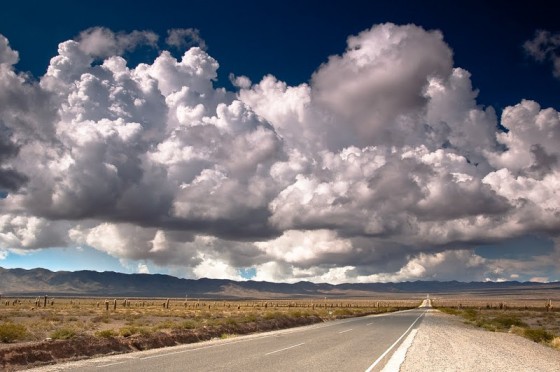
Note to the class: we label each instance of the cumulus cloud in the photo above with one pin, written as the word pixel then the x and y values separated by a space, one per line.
pixel 383 167
pixel 545 46
pixel 184 38
pixel 8 56
pixel 143 268
pixel 100 42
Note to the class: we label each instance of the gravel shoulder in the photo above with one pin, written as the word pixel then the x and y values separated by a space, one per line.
pixel 445 343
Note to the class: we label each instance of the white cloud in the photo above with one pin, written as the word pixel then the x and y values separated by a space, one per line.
pixel 216 269
pixel 185 38
pixel 545 46
pixel 8 56
pixel 377 86
pixel 100 42
pixel 305 247
pixel 143 268
pixel 382 167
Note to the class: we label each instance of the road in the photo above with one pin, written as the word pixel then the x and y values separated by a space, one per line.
pixel 357 344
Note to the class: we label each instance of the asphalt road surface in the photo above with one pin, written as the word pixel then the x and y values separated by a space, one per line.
pixel 357 344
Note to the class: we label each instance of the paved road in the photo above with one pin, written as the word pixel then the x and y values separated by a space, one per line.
pixel 345 345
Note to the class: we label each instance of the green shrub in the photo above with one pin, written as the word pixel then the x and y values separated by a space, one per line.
pixel 128 331
pixel 107 333
pixel 187 324
pixel 63 334
pixel 10 332
pixel 506 322
pixel 250 318
pixel 538 335
pixel 470 314
pixel 274 315
pixel 342 312
pixel 448 310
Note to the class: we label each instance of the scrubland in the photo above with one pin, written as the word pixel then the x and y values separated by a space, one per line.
pixel 34 330
pixel 535 319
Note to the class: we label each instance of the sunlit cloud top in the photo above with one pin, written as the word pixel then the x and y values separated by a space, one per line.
pixel 381 167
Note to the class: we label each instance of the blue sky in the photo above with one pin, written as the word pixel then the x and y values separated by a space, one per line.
pixel 249 170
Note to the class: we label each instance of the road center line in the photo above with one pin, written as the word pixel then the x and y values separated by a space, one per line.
pixel 286 348
pixel 394 344
pixel 345 331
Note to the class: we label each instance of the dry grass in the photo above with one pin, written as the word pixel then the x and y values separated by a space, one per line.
pixel 531 319
pixel 555 343
pixel 64 318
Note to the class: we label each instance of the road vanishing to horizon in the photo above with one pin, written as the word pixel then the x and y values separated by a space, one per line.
pixel 355 344
pixel 420 339
pixel 299 143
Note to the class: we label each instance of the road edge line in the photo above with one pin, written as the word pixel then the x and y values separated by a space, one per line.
pixel 397 359
pixel 394 344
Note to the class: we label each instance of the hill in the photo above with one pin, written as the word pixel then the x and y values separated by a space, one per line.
pixel 35 282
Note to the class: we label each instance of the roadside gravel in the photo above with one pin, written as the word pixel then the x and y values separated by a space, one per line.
pixel 445 343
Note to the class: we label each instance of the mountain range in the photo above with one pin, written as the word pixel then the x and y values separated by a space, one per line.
pixel 21 282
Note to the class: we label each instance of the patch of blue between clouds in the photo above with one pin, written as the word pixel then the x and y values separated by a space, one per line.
pixel 248 272
pixel 3 194
pixel 63 259
pixel 521 248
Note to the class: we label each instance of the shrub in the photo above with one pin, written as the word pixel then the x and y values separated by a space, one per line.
pixel 128 331
pixel 505 321
pixel 274 315
pixel 107 333
pixel 63 334
pixel 555 343
pixel 99 319
pixel 10 332
pixel 470 314
pixel 187 324
pixel 448 310
pixel 538 335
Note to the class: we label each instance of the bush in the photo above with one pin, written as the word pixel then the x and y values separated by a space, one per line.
pixel 274 315
pixel 470 314
pixel 506 322
pixel 108 333
pixel 128 331
pixel 448 310
pixel 538 335
pixel 63 334
pixel 10 332
pixel 187 324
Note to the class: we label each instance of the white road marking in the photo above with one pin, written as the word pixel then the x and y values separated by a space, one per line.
pixel 111 364
pixel 397 359
pixel 194 349
pixel 348 330
pixel 392 346
pixel 369 324
pixel 286 348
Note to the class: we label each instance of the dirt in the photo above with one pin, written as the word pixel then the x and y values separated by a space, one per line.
pixel 23 356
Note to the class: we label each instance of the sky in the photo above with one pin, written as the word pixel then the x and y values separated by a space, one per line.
pixel 362 141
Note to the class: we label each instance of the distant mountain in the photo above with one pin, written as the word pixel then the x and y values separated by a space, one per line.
pixel 92 283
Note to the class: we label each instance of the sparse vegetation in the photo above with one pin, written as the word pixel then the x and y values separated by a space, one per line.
pixel 63 334
pixel 10 332
pixel 67 317
pixel 120 325
pixel 537 321
pixel 106 333
pixel 538 335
